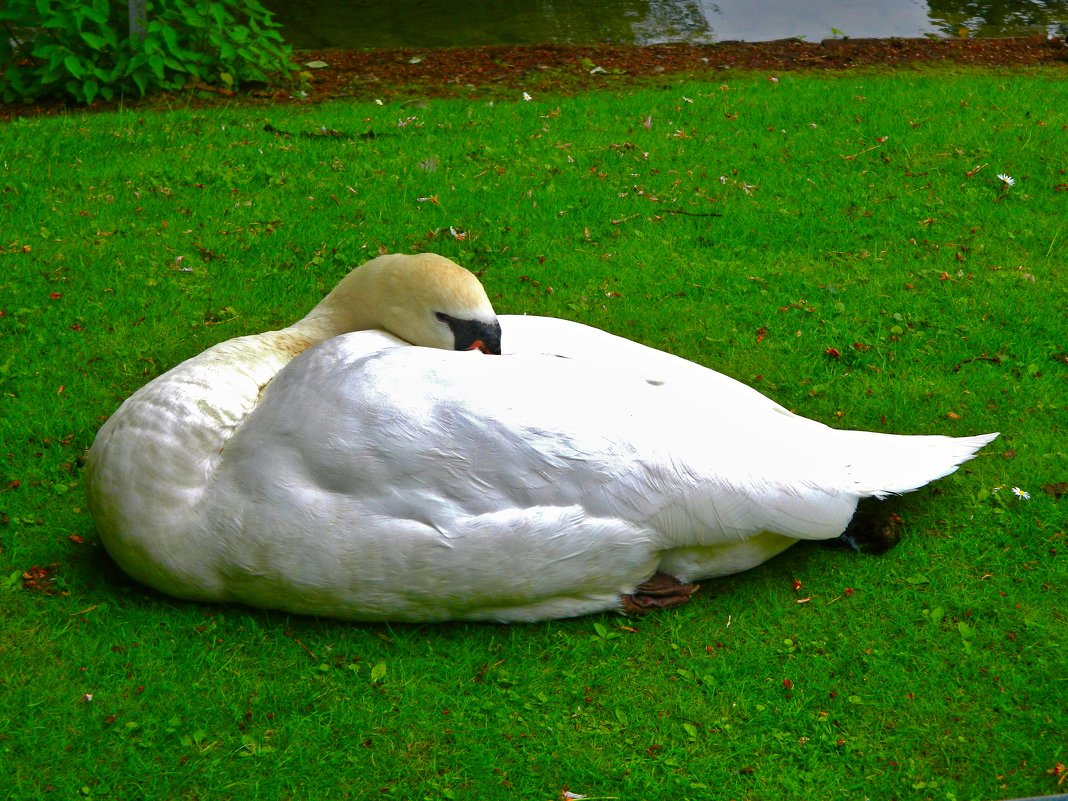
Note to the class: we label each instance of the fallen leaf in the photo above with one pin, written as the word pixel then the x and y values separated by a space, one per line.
pixel 378 672
pixel 40 579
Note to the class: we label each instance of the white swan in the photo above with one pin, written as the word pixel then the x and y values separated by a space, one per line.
pixel 351 475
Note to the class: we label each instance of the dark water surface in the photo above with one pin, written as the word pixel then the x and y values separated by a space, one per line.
pixel 472 23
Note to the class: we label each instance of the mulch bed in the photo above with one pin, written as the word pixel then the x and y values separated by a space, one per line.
pixel 360 73
pixel 428 72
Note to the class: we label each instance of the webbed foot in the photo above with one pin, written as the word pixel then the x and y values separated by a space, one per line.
pixel 659 592
pixel 874 529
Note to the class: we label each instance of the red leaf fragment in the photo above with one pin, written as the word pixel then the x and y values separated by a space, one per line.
pixel 833 353
pixel 761 333
pixel 787 684
pixel 40 579
pixel 77 539
pixel 55 295
pixel 1060 771
pixel 797 585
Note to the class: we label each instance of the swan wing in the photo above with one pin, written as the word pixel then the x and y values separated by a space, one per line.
pixel 415 483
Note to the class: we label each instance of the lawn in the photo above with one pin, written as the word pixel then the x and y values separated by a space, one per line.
pixel 880 250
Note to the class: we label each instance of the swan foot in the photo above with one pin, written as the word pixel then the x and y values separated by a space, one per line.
pixel 659 592
pixel 874 529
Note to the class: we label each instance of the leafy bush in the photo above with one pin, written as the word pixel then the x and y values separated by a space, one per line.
pixel 83 50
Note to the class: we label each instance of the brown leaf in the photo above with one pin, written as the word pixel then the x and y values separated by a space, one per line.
pixel 1058 490
pixel 40 579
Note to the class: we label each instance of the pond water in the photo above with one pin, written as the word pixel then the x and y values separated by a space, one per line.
pixel 470 23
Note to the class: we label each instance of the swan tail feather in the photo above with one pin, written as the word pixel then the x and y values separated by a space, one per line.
pixel 894 464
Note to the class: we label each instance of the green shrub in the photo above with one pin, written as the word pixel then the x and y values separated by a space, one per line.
pixel 83 50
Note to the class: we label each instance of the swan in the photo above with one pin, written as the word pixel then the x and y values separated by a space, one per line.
pixel 403 453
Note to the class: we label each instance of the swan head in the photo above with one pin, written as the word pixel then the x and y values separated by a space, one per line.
pixel 424 299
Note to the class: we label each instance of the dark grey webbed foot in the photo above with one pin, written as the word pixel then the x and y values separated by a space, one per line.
pixel 661 591
pixel 875 528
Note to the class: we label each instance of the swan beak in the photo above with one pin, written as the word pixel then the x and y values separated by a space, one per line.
pixel 485 337
pixel 474 334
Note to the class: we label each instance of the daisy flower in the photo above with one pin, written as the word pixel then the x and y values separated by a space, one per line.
pixel 1007 179
pixel 1019 493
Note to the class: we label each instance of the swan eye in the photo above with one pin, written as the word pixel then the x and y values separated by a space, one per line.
pixel 473 334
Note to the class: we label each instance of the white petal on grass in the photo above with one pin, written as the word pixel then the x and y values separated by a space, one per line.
pixel 1019 493
pixel 1006 179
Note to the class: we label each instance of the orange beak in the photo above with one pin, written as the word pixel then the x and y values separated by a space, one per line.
pixel 478 344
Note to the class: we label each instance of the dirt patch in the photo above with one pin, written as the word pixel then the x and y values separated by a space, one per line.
pixel 455 72
pixel 367 74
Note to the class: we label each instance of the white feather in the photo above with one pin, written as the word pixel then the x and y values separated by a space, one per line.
pixel 369 479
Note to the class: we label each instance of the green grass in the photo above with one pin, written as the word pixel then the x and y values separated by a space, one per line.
pixel 130 241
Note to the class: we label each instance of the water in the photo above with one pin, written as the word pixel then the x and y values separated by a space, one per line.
pixel 472 23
